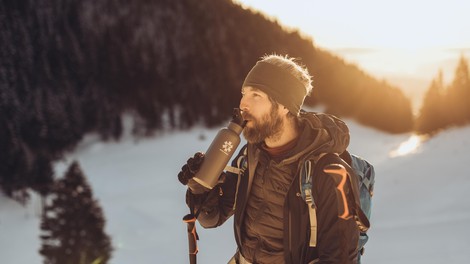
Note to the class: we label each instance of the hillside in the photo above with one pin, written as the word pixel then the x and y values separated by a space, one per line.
pixel 420 196
pixel 69 68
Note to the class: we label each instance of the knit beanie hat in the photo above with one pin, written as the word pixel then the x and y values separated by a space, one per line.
pixel 279 84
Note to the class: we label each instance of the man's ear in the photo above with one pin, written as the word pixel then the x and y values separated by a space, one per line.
pixel 283 109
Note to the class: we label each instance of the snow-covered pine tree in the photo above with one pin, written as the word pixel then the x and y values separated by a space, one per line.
pixel 73 223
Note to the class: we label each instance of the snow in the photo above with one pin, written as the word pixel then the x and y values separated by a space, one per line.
pixel 420 210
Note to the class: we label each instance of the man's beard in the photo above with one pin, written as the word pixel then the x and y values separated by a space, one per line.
pixel 268 126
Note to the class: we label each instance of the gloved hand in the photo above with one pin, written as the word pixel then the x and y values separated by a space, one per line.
pixel 192 166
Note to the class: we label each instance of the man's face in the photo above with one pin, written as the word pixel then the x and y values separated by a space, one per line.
pixel 263 117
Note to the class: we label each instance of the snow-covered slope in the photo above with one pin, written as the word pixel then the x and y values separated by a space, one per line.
pixel 421 210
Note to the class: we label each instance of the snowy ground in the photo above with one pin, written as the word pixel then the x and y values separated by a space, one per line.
pixel 421 212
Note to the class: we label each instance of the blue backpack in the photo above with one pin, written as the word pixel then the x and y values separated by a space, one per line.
pixel 356 172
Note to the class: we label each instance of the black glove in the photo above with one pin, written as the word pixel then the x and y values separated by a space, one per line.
pixel 192 166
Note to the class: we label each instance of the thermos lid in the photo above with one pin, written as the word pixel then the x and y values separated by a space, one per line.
pixel 237 117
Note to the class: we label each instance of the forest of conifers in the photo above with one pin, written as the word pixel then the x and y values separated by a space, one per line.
pixel 68 68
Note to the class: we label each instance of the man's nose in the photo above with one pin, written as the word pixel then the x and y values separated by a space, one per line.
pixel 244 104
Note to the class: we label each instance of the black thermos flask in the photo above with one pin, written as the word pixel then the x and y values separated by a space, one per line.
pixel 220 151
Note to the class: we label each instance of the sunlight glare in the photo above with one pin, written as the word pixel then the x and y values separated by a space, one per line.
pixel 408 147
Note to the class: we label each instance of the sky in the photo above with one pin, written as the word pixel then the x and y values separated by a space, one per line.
pixel 420 208
pixel 405 42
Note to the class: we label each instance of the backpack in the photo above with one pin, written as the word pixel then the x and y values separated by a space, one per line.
pixel 358 173
pixel 360 176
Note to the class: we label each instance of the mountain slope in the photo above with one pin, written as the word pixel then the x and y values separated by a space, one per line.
pixel 420 208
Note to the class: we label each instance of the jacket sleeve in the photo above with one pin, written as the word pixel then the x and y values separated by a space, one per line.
pixel 337 236
pixel 217 205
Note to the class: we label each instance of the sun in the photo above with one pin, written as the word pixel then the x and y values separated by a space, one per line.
pixel 408 147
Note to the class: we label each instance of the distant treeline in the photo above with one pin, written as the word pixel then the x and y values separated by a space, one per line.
pixel 446 105
pixel 71 67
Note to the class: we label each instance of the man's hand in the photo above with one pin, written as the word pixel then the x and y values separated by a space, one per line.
pixel 192 166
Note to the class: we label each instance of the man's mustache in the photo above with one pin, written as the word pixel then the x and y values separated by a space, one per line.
pixel 247 116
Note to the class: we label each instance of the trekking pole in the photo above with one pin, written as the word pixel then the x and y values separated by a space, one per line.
pixel 190 220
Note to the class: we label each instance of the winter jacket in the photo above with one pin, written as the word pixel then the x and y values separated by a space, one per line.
pixel 336 238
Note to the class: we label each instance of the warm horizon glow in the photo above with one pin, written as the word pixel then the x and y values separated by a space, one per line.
pixel 400 24
pixel 410 146
pixel 406 42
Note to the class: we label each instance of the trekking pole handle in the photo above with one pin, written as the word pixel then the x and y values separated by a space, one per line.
pixel 190 220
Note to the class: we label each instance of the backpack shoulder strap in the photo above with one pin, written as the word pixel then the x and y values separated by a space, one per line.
pixel 240 161
pixel 334 165
pixel 306 191
pixel 306 184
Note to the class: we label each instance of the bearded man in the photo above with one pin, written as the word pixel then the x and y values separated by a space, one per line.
pixel 272 222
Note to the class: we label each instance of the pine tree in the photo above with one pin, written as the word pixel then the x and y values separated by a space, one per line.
pixel 433 114
pixel 73 223
pixel 459 93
